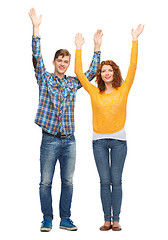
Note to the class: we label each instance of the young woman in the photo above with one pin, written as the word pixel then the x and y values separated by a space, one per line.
pixel 109 101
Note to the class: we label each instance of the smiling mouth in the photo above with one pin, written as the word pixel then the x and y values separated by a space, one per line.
pixel 62 68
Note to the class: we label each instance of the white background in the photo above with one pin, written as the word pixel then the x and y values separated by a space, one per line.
pixel 144 208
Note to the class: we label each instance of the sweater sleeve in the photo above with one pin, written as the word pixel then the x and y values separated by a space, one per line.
pixel 79 71
pixel 133 65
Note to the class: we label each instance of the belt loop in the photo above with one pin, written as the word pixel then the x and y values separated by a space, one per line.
pixel 59 134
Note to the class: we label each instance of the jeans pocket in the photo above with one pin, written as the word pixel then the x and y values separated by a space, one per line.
pixel 72 137
pixel 121 142
pixel 47 138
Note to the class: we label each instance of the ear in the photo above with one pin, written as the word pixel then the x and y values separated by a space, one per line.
pixel 53 62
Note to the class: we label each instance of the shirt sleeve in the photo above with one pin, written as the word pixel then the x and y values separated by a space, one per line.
pixel 133 65
pixel 79 71
pixel 90 74
pixel 38 63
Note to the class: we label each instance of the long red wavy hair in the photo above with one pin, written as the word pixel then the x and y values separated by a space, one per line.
pixel 117 78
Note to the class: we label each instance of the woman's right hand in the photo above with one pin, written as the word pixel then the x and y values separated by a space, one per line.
pixel 135 33
pixel 79 41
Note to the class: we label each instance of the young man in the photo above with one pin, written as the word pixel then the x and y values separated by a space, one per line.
pixel 55 116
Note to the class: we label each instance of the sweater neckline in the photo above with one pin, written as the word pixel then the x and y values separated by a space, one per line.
pixel 109 92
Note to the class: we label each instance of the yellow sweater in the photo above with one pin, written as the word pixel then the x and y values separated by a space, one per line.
pixel 109 109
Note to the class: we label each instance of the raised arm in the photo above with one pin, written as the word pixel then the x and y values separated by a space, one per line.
pixel 134 55
pixel 79 41
pixel 36 47
pixel 96 57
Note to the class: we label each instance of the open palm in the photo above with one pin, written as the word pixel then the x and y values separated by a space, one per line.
pixel 79 40
pixel 98 37
pixel 135 33
pixel 35 19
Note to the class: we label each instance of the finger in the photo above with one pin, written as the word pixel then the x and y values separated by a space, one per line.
pixel 30 13
pixel 143 27
pixel 139 26
pixel 77 35
pixel 96 33
pixel 100 32
pixel 33 12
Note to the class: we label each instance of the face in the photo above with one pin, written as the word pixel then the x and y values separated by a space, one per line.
pixel 107 73
pixel 61 64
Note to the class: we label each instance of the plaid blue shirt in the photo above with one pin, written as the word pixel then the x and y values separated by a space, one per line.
pixel 57 96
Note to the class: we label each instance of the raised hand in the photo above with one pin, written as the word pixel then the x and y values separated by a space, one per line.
pixel 36 21
pixel 98 40
pixel 135 33
pixel 79 40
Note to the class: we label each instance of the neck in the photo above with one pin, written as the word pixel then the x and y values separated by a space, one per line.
pixel 108 87
pixel 60 75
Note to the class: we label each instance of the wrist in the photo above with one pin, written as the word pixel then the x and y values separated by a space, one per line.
pixel 78 47
pixel 134 38
pixel 35 31
pixel 96 48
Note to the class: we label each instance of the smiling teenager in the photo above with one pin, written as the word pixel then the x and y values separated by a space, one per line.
pixel 61 62
pixel 55 116
pixel 109 102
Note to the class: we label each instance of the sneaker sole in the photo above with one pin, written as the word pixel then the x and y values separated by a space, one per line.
pixel 69 229
pixel 45 229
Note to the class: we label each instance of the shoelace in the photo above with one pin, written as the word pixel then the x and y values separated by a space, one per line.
pixel 45 220
pixel 70 221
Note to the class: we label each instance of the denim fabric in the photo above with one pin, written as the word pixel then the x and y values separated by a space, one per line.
pixel 64 150
pixel 110 156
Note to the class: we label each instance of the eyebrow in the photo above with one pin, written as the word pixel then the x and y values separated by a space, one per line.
pixel 60 60
pixel 106 69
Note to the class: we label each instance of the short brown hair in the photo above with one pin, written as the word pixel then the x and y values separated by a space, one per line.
pixel 117 78
pixel 63 53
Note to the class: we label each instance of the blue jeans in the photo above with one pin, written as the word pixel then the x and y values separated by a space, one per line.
pixel 52 149
pixel 110 156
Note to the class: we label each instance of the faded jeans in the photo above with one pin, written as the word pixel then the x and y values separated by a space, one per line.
pixel 52 149
pixel 110 156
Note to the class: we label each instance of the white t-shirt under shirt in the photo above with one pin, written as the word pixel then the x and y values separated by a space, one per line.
pixel 120 135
